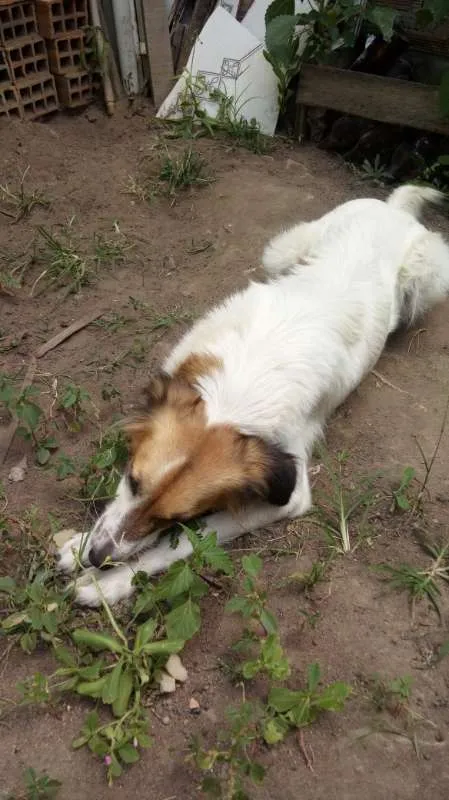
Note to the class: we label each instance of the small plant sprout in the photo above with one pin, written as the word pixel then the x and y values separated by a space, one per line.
pixel 39 786
pixel 401 500
pixel 261 634
pixel 21 200
pixel 72 403
pixel 337 507
pixel 32 422
pixel 421 583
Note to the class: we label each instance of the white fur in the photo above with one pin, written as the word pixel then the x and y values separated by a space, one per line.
pixel 293 349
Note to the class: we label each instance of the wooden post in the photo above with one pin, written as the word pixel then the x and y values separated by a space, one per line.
pixel 159 53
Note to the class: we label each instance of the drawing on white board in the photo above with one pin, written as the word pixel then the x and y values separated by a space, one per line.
pixel 231 70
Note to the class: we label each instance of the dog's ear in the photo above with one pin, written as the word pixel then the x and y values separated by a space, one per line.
pixel 156 390
pixel 270 471
pixel 280 477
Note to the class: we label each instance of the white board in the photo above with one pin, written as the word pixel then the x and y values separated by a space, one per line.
pixel 229 58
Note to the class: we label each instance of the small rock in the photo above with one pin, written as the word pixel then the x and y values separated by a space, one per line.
pixel 176 669
pixel 194 706
pixel 18 472
pixel 167 684
pixel 61 537
pixel 165 720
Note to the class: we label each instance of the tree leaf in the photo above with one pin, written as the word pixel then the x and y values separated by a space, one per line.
pixel 280 39
pixel 184 621
pixel 268 621
pixel 383 18
pixel 279 8
pixel 274 730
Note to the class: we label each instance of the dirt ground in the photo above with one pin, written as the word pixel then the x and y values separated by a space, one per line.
pixel 183 256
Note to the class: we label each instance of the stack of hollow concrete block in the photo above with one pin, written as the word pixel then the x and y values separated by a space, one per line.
pixel 27 88
pixel 64 26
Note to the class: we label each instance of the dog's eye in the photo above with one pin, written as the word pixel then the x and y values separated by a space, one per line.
pixel 134 484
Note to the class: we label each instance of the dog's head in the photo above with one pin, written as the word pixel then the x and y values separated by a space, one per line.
pixel 181 468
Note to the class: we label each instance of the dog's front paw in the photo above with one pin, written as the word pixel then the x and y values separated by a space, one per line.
pixel 112 586
pixel 73 552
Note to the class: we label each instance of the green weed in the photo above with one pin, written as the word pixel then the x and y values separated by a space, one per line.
pixel 32 423
pixel 101 474
pixel 37 786
pixel 39 610
pixel 66 265
pixel 338 507
pixel 20 200
pixel 72 403
pixel 262 633
pixel 420 583
pixel 180 172
pixel 401 501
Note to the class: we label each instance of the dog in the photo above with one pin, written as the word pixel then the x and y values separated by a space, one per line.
pixel 230 423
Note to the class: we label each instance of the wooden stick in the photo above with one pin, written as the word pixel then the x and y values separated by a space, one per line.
pixel 8 436
pixel 55 341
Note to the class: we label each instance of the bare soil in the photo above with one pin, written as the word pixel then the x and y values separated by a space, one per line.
pixel 185 255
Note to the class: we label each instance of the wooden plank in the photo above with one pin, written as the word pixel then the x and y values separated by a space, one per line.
pixel 373 97
pixel 158 48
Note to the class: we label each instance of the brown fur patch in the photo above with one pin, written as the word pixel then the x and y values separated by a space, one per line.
pixel 196 366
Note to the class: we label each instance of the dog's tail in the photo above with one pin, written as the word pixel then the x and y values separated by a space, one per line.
pixel 412 199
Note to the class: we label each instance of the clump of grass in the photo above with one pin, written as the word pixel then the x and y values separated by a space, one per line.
pixel 21 200
pixel 373 171
pixel 109 252
pixel 66 266
pixel 421 583
pixel 182 171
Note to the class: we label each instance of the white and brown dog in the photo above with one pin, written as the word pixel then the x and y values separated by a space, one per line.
pixel 231 421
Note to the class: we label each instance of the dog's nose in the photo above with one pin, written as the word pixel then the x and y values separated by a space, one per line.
pixel 97 556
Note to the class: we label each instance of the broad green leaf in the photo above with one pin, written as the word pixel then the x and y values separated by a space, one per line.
pixel 128 754
pixel 96 641
pixel 268 621
pixel 252 565
pixel 144 634
pixel 444 94
pixel 384 19
pixel 111 688
pixel 444 161
pixel 238 605
pixel 280 39
pixel 206 547
pixel 29 413
pixel 279 8
pixel 282 699
pixel 184 621
pixel 164 646
pixel 28 641
pixel 178 579
pixel 313 676
pixel 120 704
pixel 333 697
